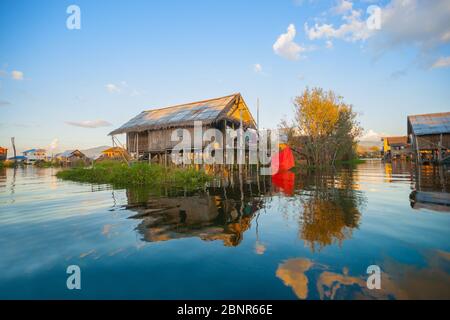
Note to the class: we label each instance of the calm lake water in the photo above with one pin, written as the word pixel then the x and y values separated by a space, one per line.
pixel 288 237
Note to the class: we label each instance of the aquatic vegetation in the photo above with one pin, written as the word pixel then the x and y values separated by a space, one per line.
pixel 138 174
pixel 8 164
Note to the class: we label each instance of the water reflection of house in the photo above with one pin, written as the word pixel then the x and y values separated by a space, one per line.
pixel 429 135
pixel 207 216
pixel 431 188
pixel 395 148
pixel 436 201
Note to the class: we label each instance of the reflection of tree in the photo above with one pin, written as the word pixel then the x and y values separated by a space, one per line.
pixel 331 206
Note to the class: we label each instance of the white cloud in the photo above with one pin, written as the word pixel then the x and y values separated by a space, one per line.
pixel 122 88
pixel 342 7
pixel 286 47
pixel 257 68
pixel 54 144
pixel 371 136
pixel 420 23
pixel 446 37
pixel 353 29
pixel 89 123
pixel 443 62
pixel 17 75
pixel 112 88
pixel 329 44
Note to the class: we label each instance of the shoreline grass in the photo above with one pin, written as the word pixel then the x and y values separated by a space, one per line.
pixel 137 174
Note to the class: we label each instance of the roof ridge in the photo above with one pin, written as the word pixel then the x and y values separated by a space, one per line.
pixel 189 103
pixel 429 114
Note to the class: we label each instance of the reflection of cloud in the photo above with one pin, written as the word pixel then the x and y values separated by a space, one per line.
pixel 292 272
pixel 398 281
pixel 106 229
pixel 85 254
pixel 260 248
pixel 329 283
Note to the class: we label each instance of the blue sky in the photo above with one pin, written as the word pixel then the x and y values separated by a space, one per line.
pixel 75 86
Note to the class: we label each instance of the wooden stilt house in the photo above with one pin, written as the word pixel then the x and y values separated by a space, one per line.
pixel 429 135
pixel 148 135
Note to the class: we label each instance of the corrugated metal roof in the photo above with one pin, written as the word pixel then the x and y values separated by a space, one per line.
pixel 433 123
pixel 35 150
pixel 179 115
pixel 65 154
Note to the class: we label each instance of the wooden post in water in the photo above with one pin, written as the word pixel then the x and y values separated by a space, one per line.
pixel 241 143
pixel 14 148
pixel 440 149
pixel 257 144
pixel 419 159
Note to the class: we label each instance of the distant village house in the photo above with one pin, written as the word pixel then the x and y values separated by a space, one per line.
pixel 114 153
pixel 3 153
pixel 71 156
pixel 34 155
pixel 395 148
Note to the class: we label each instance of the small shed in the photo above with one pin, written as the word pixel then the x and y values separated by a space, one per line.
pixel 429 135
pixel 149 133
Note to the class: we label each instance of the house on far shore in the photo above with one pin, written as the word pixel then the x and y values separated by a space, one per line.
pixel 429 135
pixel 34 155
pixel 3 153
pixel 115 153
pixel 20 159
pixel 395 148
pixel 71 156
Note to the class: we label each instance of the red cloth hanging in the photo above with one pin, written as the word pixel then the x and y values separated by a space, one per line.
pixel 283 160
